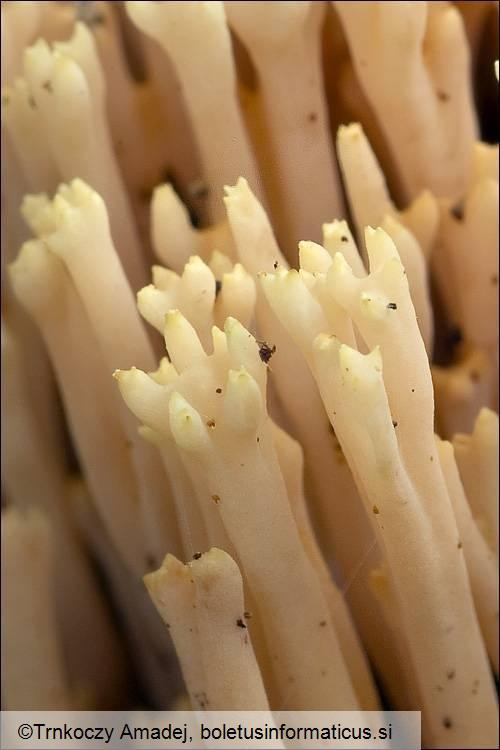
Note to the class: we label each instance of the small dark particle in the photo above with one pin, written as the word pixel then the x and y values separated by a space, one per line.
pixel 392 306
pixel 211 423
pixel 443 96
pixel 474 376
pixel 323 673
pixel 202 699
pixel 196 555
pixel 322 624
pixel 450 674
pixel 344 238
pixel 240 623
pixel 88 14
pixel 447 724
pixel 475 687
pixel 275 265
pixel 375 510
pixel 216 499
pixel 190 630
pixel 439 688
pixel 97 19
pixel 394 424
pixel 457 211
pixel 32 102
pixel 48 87
pixel 459 545
pixel 313 117
pixel 150 561
pixel 167 625
pixel 432 458
pixel 455 337
pixel 247 615
pixel 218 390
pixel 258 439
pixel 198 189
pixel 494 279
pixel 218 287
pixel 413 390
pixel 266 351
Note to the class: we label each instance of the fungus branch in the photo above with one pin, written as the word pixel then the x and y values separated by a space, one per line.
pixel 284 42
pixel 203 607
pixel 34 672
pixel 217 417
pixel 407 48
pixel 215 115
pixel 385 427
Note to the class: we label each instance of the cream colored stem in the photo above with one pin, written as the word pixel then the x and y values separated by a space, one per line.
pixel 84 387
pixel 285 46
pixel 206 596
pixel 263 532
pixel 431 124
pixel 442 633
pixel 291 463
pixel 96 271
pixel 480 560
pixel 34 671
pixel 173 237
pixel 215 115
pixel 477 460
pixel 67 87
pixel 94 659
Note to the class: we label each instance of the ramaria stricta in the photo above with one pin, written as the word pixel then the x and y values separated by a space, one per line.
pixel 193 165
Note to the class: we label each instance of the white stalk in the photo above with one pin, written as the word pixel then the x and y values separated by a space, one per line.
pixel 482 565
pixel 203 606
pixel 477 460
pixel 442 633
pixel 284 42
pixel 68 88
pixel 215 115
pixel 430 125
pixel 34 669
